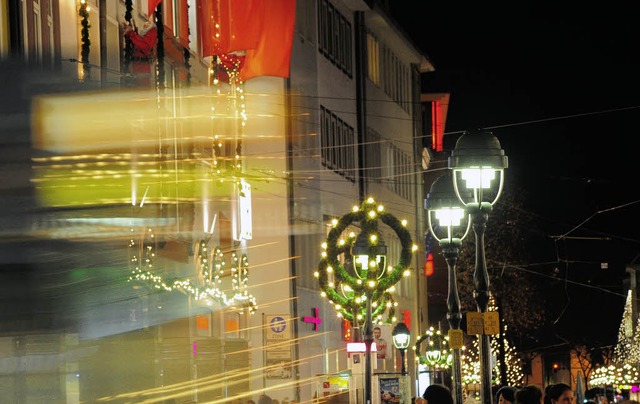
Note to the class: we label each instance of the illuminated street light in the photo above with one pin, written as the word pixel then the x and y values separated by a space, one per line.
pixel 369 260
pixel 450 228
pixel 401 338
pixel 478 164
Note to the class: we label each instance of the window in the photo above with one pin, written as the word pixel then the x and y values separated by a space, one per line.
pixel 337 143
pixel 37 30
pixel 373 54
pixel 372 156
pixel 388 72
pixel 334 33
pixel 388 164
pixel 194 43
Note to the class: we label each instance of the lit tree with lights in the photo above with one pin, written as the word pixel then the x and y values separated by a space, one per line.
pixel 471 364
pixel 471 360
pixel 634 351
pixel 623 368
pixel 347 283
pixel 625 346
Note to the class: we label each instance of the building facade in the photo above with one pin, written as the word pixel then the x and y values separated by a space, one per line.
pixel 170 226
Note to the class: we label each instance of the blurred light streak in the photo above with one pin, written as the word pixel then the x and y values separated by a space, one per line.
pixel 233 377
pixel 94 122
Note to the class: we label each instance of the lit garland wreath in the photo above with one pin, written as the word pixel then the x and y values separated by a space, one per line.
pixel 128 45
pixel 437 354
pixel 86 42
pixel 348 291
pixel 160 73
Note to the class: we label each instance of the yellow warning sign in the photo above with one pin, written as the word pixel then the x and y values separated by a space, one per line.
pixel 491 323
pixel 475 323
pixel 455 339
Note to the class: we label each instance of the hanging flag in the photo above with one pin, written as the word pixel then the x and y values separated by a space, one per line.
pixel 183 18
pixel 428 265
pixel 272 55
pixel 406 318
pixel 227 64
pixel 428 245
pixel 152 5
pixel 437 126
pixel 228 26
pixel 346 330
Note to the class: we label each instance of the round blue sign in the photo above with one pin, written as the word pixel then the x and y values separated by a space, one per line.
pixel 278 325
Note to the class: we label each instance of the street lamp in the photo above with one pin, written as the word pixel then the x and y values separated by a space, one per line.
pixel 369 261
pixel 478 163
pixel 401 338
pixel 450 227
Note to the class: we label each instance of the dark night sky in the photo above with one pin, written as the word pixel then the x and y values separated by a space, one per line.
pixel 560 88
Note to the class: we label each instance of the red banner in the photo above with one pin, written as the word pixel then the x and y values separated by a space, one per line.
pixel 272 56
pixel 228 26
pixel 263 29
pixel 152 4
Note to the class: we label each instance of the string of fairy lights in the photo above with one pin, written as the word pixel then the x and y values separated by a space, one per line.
pixel 212 265
pixel 212 268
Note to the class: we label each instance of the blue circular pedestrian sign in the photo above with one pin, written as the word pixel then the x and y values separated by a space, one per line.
pixel 278 324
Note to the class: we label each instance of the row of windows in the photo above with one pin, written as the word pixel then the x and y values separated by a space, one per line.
pixel 385 69
pixel 388 164
pixel 398 171
pixel 388 72
pixel 372 156
pixel 334 37
pixel 37 19
pixel 337 142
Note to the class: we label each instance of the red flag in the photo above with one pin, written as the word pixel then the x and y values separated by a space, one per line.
pixel 437 126
pixel 183 17
pixel 152 4
pixel 227 63
pixel 428 265
pixel 346 330
pixel 272 55
pixel 227 25
pixel 406 318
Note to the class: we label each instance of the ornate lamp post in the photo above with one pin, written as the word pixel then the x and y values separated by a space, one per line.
pixel 452 225
pixel 478 165
pixel 368 259
pixel 401 338
pixel 364 290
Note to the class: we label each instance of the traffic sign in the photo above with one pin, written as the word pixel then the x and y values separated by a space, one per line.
pixel 475 323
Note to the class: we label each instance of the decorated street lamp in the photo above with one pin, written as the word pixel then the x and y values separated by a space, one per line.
pixel 401 338
pixel 353 273
pixel 478 165
pixel 437 354
pixel 449 224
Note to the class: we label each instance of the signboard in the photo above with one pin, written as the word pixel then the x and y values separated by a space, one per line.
pixel 455 339
pixel 475 325
pixel 491 323
pixel 390 390
pixel 277 327
pixel 487 323
pixel 278 346
pixel 333 384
